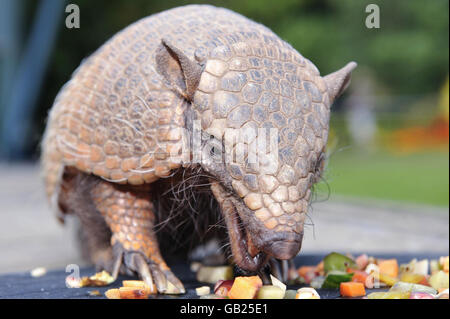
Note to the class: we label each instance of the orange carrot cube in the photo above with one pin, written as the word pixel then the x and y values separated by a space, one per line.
pixel 389 267
pixel 352 289
pixel 360 276
pixel 245 287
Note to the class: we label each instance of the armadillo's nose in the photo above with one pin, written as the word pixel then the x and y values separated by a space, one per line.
pixel 282 249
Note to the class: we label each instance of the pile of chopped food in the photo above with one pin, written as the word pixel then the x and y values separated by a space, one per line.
pixel 424 279
pixel 251 287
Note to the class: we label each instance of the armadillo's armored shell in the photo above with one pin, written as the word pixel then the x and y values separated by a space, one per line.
pixel 117 118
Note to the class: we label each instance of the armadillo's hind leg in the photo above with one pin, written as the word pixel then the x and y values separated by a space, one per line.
pixel 95 243
pixel 94 234
pixel 129 214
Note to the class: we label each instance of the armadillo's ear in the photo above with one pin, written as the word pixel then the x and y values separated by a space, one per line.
pixel 338 81
pixel 182 72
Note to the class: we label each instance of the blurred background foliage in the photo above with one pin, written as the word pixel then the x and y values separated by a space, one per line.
pixel 398 98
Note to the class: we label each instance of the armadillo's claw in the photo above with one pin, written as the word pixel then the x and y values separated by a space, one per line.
pixel 160 279
pixel 150 273
pixel 116 265
pixel 275 268
pixel 283 270
pixel 141 267
pixel 178 285
pixel 264 275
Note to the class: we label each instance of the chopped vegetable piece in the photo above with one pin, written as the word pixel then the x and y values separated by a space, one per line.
pixel 222 287
pixel 421 267
pixel 389 267
pixel 334 278
pixel 372 268
pixel 245 287
pixel 352 289
pixel 133 293
pixel 420 295
pixel 412 278
pixel 307 293
pixel 388 280
pixel 139 284
pixel 405 286
pixel 362 261
pixel 389 295
pixel 134 283
pixel 290 294
pixel 360 276
pixel 439 280
pixel 336 261
pixel 202 291
pixel 278 283
pixel 102 278
pixel 112 294
pixel 211 275
pixel 317 282
pixel 270 292
pixel 434 266
pixel 415 267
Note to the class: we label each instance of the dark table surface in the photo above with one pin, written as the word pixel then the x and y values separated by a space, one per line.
pixel 52 285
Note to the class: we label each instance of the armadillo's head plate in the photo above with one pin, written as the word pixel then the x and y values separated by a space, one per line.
pixel 262 113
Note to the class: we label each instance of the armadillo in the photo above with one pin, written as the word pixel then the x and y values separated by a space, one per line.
pixel 165 101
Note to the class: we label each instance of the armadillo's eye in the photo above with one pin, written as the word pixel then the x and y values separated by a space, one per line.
pixel 215 149
pixel 214 152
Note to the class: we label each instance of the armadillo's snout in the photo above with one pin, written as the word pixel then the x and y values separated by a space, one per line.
pixel 283 248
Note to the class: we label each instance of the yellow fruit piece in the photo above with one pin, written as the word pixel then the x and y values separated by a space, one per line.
pixel 103 276
pixel 139 284
pixel 112 294
pixel 211 275
pixel 270 292
pixel 439 280
pixel 412 278
pixel 307 293
pixel 389 295
pixel 388 280
pixel 203 291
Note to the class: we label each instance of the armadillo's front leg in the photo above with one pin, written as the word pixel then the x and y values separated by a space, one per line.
pixel 130 216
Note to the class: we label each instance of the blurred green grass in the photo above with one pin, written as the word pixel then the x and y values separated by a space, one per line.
pixel 421 178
